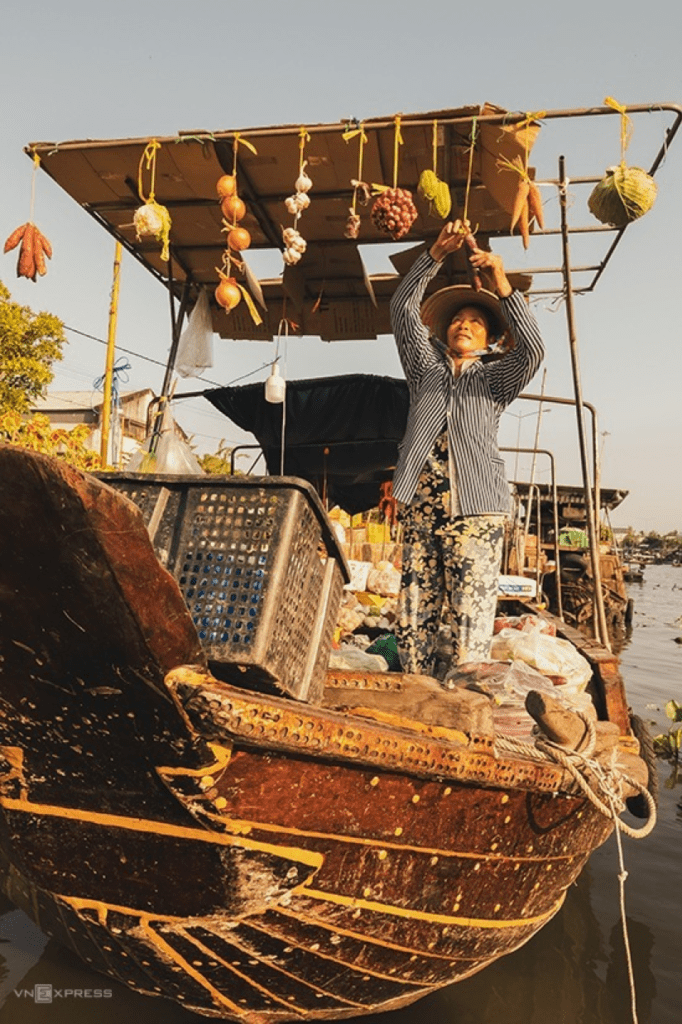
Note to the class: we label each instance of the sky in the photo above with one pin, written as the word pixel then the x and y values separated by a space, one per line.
pixel 77 70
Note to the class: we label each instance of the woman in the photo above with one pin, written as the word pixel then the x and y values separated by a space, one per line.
pixel 450 480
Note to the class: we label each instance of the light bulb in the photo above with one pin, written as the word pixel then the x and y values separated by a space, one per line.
pixel 275 386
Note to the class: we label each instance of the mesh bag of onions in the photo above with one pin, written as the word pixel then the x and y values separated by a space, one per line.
pixel 624 194
pixel 394 212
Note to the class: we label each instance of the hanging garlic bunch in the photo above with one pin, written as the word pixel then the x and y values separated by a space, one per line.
pixel 300 200
pixel 295 245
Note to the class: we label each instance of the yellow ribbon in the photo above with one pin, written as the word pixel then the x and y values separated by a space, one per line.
pixel 626 127
pixel 397 143
pixel 255 315
pixel 303 137
pixel 238 141
pixel 352 133
pixel 435 147
pixel 472 147
pixel 149 155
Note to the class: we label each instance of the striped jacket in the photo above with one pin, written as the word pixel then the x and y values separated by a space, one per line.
pixel 469 405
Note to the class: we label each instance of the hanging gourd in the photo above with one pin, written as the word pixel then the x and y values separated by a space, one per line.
pixel 294 243
pixel 394 211
pixel 431 188
pixel 229 292
pixel 34 246
pixel 625 193
pixel 152 218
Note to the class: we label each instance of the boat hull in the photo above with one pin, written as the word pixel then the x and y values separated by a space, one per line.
pixel 252 857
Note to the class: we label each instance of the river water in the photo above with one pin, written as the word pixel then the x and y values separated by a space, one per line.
pixel 573 972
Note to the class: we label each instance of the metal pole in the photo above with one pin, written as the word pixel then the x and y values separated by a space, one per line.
pixel 109 366
pixel 176 330
pixel 600 615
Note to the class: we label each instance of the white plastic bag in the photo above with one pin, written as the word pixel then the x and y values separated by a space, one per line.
pixel 171 455
pixel 195 348
pixel 385 580
pixel 357 660
pixel 550 655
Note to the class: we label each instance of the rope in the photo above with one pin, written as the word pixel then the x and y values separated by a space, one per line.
pixel 626 126
pixel 148 156
pixel 474 132
pixel 598 785
pixel 36 165
pixel 397 143
pixel 622 876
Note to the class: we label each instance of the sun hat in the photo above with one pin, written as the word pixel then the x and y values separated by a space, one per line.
pixel 439 309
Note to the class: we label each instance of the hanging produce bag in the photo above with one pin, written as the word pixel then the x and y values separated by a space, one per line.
pixel 195 348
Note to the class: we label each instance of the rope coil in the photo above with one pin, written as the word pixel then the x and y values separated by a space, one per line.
pixel 603 786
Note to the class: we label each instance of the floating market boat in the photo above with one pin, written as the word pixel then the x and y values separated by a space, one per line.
pixel 190 800
pixel 193 835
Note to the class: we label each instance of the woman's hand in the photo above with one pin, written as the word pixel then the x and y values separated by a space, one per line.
pixel 449 240
pixel 482 260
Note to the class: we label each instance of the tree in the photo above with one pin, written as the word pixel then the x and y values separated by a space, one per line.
pixel 29 345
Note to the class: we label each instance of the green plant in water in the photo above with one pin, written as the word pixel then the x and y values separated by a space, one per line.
pixel 668 744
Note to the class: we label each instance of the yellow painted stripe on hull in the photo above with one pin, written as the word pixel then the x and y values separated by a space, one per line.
pixel 215 994
pixel 243 827
pixel 261 988
pixel 152 827
pixel 422 915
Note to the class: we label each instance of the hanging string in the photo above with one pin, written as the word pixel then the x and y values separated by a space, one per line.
pixel 36 165
pixel 148 156
pixel 626 126
pixel 435 147
pixel 397 143
pixel 472 147
pixel 303 137
pixel 523 126
pixel 238 141
pixel 283 328
pixel 349 134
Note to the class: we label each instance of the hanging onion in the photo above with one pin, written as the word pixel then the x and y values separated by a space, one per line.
pixel 238 239
pixel 226 186
pixel 228 294
pixel 233 208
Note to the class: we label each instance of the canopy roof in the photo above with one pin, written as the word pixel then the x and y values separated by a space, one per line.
pixel 329 293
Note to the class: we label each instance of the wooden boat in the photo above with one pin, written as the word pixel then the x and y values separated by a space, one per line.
pixel 250 855
pixel 203 829
pixel 575 601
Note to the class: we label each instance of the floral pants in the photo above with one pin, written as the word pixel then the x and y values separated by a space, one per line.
pixel 447 561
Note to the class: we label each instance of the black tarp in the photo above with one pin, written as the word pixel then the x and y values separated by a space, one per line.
pixel 341 433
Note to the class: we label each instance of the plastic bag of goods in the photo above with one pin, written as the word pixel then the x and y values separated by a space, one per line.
pixel 384 580
pixel 528 623
pixel 508 684
pixel 357 661
pixel 550 655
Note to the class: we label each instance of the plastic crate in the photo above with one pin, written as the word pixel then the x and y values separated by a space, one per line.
pixel 258 565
